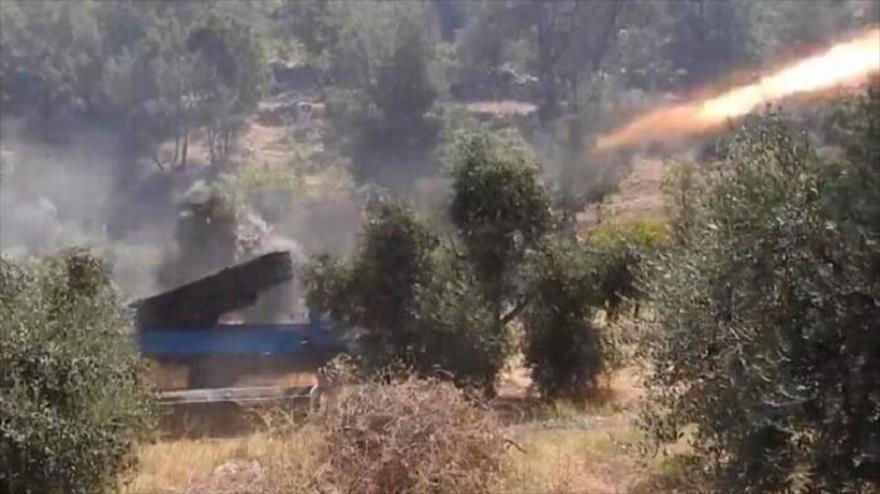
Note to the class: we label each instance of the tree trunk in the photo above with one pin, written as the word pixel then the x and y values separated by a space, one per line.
pixel 547 59
pixel 210 140
pixel 177 114
pixel 176 144
pixel 185 148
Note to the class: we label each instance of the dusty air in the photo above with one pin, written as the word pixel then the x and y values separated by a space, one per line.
pixel 439 246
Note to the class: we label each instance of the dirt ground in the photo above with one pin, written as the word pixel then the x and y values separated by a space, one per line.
pixel 639 198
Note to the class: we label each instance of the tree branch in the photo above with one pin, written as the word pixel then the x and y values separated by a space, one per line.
pixel 517 309
pixel 158 163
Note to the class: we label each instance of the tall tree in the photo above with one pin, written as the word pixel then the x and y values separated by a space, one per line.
pixel 394 143
pixel 501 212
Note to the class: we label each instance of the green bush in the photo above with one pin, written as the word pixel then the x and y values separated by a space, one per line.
pixel 563 348
pixel 73 402
pixel 459 332
pixel 618 253
pixel 394 129
pixel 413 302
pixel 643 234
pixel 767 335
pixel 570 282
pixel 377 292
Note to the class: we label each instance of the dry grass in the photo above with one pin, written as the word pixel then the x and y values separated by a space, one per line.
pixel 197 466
pixel 579 448
pixel 260 463
pixel 593 457
pixel 381 435
pixel 409 436
pixel 596 457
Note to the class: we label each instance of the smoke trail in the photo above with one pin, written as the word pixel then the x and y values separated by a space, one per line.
pixel 845 63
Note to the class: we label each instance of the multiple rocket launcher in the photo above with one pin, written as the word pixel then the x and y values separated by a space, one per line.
pixel 181 327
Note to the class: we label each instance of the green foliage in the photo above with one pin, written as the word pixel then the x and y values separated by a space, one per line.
pixel 643 234
pixel 572 42
pixel 482 45
pixel 638 56
pixel 73 401
pixel 618 253
pixel 814 23
pixel 412 299
pixel 416 300
pixel 766 335
pixel 570 282
pixel 232 60
pixel 347 39
pixel 501 211
pixel 229 79
pixel 380 109
pixel 403 92
pixel 682 185
pixel 850 120
pixel 709 38
pixel 51 54
pixel 460 333
pixel 564 42
pixel 379 291
pixel 312 23
pixel 563 348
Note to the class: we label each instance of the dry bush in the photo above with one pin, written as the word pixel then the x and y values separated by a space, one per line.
pixel 407 436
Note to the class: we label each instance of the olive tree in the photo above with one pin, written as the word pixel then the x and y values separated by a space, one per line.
pixel 73 398
pixel 501 211
pixel 767 331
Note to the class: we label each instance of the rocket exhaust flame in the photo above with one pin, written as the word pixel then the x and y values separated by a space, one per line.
pixel 844 63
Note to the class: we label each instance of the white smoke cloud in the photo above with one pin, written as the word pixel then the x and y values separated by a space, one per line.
pixel 63 193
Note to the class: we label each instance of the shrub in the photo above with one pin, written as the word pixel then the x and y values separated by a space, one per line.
pixel 459 333
pixel 642 234
pixel 570 282
pixel 412 300
pixel 767 335
pixel 377 292
pixel 73 402
pixel 407 436
pixel 563 348
pixel 618 252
